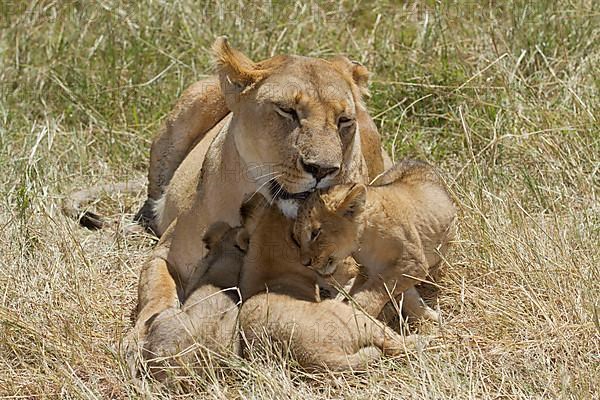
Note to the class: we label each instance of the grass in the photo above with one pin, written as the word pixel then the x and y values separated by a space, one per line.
pixel 503 96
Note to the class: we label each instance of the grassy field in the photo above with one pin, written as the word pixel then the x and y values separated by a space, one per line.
pixel 503 96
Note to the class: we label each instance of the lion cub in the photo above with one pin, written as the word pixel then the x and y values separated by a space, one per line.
pixel 206 324
pixel 397 228
pixel 280 302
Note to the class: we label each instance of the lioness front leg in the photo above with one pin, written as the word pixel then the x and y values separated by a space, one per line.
pixel 198 335
pixel 157 292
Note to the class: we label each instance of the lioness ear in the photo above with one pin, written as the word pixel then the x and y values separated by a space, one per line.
pixel 359 73
pixel 215 233
pixel 354 203
pixel 236 71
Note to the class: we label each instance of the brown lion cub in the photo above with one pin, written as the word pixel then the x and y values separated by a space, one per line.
pixel 397 228
pixel 280 302
pixel 206 324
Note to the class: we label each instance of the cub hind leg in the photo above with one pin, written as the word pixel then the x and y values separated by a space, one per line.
pixel 375 293
pixel 372 332
pixel 357 361
pixel 414 306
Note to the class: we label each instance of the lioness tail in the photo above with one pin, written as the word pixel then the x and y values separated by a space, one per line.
pixel 72 204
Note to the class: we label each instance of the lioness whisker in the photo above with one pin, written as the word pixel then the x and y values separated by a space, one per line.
pixel 260 166
pixel 275 195
pixel 265 183
pixel 265 175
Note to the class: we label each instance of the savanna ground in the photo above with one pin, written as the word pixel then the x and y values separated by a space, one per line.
pixel 503 96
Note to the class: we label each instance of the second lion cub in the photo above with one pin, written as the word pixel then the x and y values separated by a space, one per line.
pixel 397 228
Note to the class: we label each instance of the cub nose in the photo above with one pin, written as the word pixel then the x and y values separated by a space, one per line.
pixel 319 171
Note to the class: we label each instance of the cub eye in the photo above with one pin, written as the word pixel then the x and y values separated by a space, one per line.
pixel 345 122
pixel 288 113
pixel 315 234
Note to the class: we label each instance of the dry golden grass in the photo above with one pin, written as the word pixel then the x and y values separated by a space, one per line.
pixel 503 97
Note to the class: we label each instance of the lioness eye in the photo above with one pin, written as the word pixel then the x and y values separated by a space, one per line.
pixel 344 122
pixel 315 234
pixel 288 113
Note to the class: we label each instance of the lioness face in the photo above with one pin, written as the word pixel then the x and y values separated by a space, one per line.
pixel 294 120
pixel 328 227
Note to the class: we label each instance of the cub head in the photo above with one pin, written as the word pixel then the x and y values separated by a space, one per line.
pixel 294 120
pixel 227 247
pixel 329 225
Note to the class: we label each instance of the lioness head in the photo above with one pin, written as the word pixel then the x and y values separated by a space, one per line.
pixel 329 225
pixel 294 120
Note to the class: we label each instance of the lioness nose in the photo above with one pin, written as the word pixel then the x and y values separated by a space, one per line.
pixel 319 171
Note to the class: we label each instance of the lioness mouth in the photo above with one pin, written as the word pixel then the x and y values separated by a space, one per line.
pixel 278 192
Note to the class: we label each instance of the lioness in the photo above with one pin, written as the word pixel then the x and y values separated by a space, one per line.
pixel 397 229
pixel 294 126
pixel 206 326
pixel 202 112
pixel 280 302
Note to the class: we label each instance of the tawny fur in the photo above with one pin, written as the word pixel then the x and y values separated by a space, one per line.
pixel 397 229
pixel 201 113
pixel 326 335
pixel 282 306
pixel 244 151
pixel 205 328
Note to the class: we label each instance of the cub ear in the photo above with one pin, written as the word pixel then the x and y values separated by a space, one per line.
pixel 236 71
pixel 303 217
pixel 251 210
pixel 359 73
pixel 215 233
pixel 242 239
pixel 353 204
